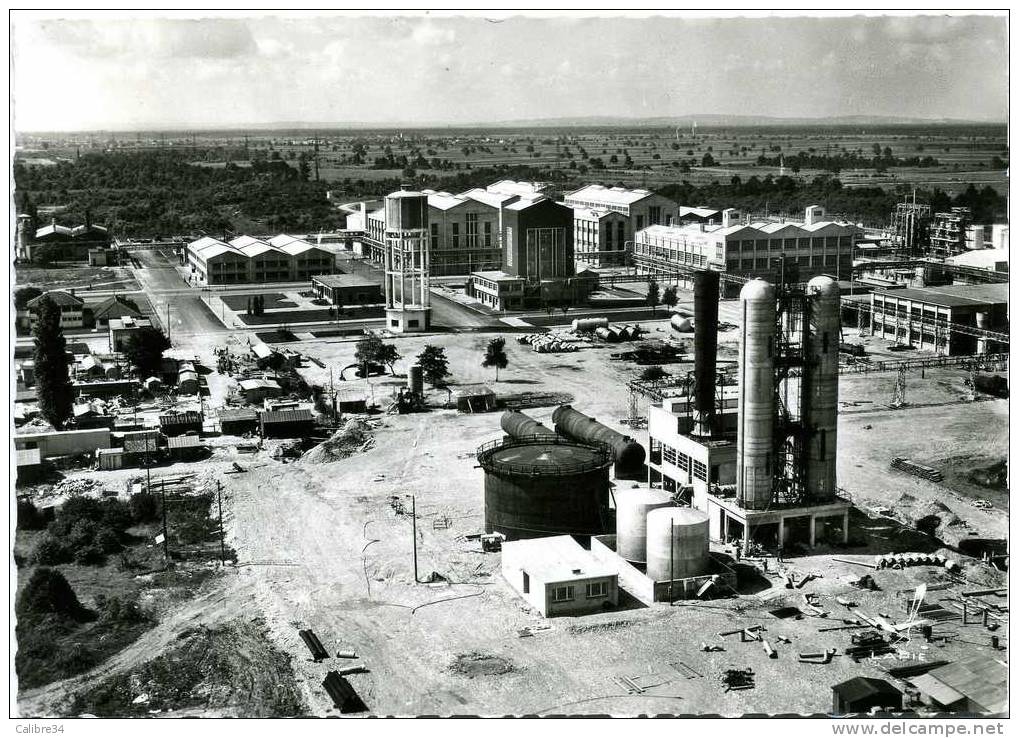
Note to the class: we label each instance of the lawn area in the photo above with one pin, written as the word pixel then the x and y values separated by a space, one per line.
pixel 272 300
pixel 311 316
pixel 79 277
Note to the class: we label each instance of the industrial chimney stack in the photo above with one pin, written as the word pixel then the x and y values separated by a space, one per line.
pixel 705 310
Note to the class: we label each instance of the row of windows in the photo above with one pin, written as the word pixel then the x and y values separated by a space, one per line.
pixel 747 265
pixel 565 593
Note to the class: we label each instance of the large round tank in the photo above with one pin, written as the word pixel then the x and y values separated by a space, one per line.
pixel 587 325
pixel 681 323
pixel 632 508
pixel 627 453
pixel 416 380
pixel 518 425
pixel 754 438
pixel 406 211
pixel 677 543
pixel 544 487
pixel 822 387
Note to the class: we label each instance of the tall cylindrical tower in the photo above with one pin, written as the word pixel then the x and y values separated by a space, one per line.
pixel 821 398
pixel 705 311
pixel 406 266
pixel 755 437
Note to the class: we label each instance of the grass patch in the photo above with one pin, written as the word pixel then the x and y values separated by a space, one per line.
pixel 233 668
pixel 61 277
pixel 240 302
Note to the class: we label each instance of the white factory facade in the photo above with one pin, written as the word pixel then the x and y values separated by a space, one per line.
pixel 812 247
pixel 249 260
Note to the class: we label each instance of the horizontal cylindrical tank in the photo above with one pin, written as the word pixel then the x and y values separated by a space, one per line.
pixel 681 323
pixel 416 380
pixel 518 425
pixel 677 543
pixel 545 487
pixel 586 325
pixel 632 508
pixel 627 453
pixel 821 385
pixel 756 403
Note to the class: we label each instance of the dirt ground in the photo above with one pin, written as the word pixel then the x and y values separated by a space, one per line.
pixel 329 546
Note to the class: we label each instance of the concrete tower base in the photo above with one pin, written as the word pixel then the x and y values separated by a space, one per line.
pixel 408 319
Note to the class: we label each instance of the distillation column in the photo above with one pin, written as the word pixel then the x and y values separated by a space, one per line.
pixel 755 437
pixel 822 397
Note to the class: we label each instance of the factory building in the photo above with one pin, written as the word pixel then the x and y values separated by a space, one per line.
pixel 249 260
pixel 347 289
pixel 72 308
pixel 641 208
pixel 121 329
pixel 557 576
pixel 812 247
pixel 538 259
pixel 599 236
pixel 758 475
pixel 68 243
pixel 921 317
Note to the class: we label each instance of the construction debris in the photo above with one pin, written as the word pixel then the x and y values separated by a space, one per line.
pixel 737 679
pixel 318 651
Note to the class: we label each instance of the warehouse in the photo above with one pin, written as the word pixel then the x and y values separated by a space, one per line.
pixel 113 307
pixel 812 247
pixel 347 289
pixel 178 424
pixel 557 576
pixel 249 260
pixel 67 243
pixel 641 208
pixel 286 423
pixel 236 421
pixel 920 317
pixel 976 684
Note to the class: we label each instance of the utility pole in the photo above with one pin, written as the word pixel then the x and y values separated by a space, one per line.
pixel 166 536
pixel 414 528
pixel 672 559
pixel 222 542
pixel 167 320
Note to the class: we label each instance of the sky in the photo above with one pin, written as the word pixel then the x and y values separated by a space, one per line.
pixel 148 72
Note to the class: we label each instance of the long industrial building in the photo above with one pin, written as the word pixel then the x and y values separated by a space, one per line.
pixel 246 259
pixel 608 217
pixel 812 247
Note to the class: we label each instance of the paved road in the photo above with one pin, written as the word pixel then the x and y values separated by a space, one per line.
pixel 189 316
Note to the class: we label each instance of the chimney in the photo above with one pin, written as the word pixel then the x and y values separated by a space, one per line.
pixel 705 325
pixel 814 214
pixel 730 217
pixel 88 219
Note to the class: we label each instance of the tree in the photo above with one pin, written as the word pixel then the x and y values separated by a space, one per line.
pixel 56 395
pixel 707 160
pixel 653 295
pixel 495 355
pixel 367 352
pixel 653 374
pixel 144 349
pixel 249 305
pixel 24 296
pixel 434 364
pixel 48 592
pixel 45 254
pixel 388 355
pixel 275 361
pixel 669 297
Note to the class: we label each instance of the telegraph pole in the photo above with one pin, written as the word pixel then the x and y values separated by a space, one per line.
pixel 166 536
pixel 167 320
pixel 222 542
pixel 414 524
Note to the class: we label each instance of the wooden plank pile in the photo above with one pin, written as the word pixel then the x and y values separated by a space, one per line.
pixel 920 470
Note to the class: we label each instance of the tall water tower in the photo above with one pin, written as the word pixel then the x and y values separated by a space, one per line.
pixel 406 264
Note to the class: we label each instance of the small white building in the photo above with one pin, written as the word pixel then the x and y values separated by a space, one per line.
pixel 557 576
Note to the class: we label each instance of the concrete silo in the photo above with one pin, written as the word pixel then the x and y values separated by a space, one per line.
pixel 821 395
pixel 677 543
pixel 632 508
pixel 755 436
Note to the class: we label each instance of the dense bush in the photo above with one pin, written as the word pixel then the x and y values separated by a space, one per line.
pixel 47 592
pixel 144 507
pixel 85 530
pixel 29 517
pixel 50 551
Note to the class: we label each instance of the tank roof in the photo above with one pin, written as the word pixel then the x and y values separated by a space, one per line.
pixel 641 494
pixel 823 285
pixel 757 289
pixel 679 515
pixel 541 455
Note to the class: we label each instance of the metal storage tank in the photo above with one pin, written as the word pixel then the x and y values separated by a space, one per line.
pixel 536 487
pixel 705 305
pixel 416 380
pixel 632 508
pixel 627 453
pixel 822 387
pixel 406 210
pixel 586 325
pixel 518 425
pixel 677 543
pixel 756 404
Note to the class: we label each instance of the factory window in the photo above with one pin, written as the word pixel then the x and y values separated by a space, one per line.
pixel 435 234
pixel 597 589
pixel 527 583
pixel 488 234
pixel 683 462
pixel 456 235
pixel 620 233
pixel 822 444
pixel 640 222
pixel 655 214
pixel 700 470
pixel 509 246
pixel 562 594
pixel 669 454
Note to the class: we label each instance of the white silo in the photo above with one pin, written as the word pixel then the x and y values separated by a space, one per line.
pixel 632 508
pixel 677 543
pixel 756 405
pixel 821 395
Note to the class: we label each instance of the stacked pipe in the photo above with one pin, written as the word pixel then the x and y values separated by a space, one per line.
pixel 627 454
pixel 705 306
pixel 517 425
